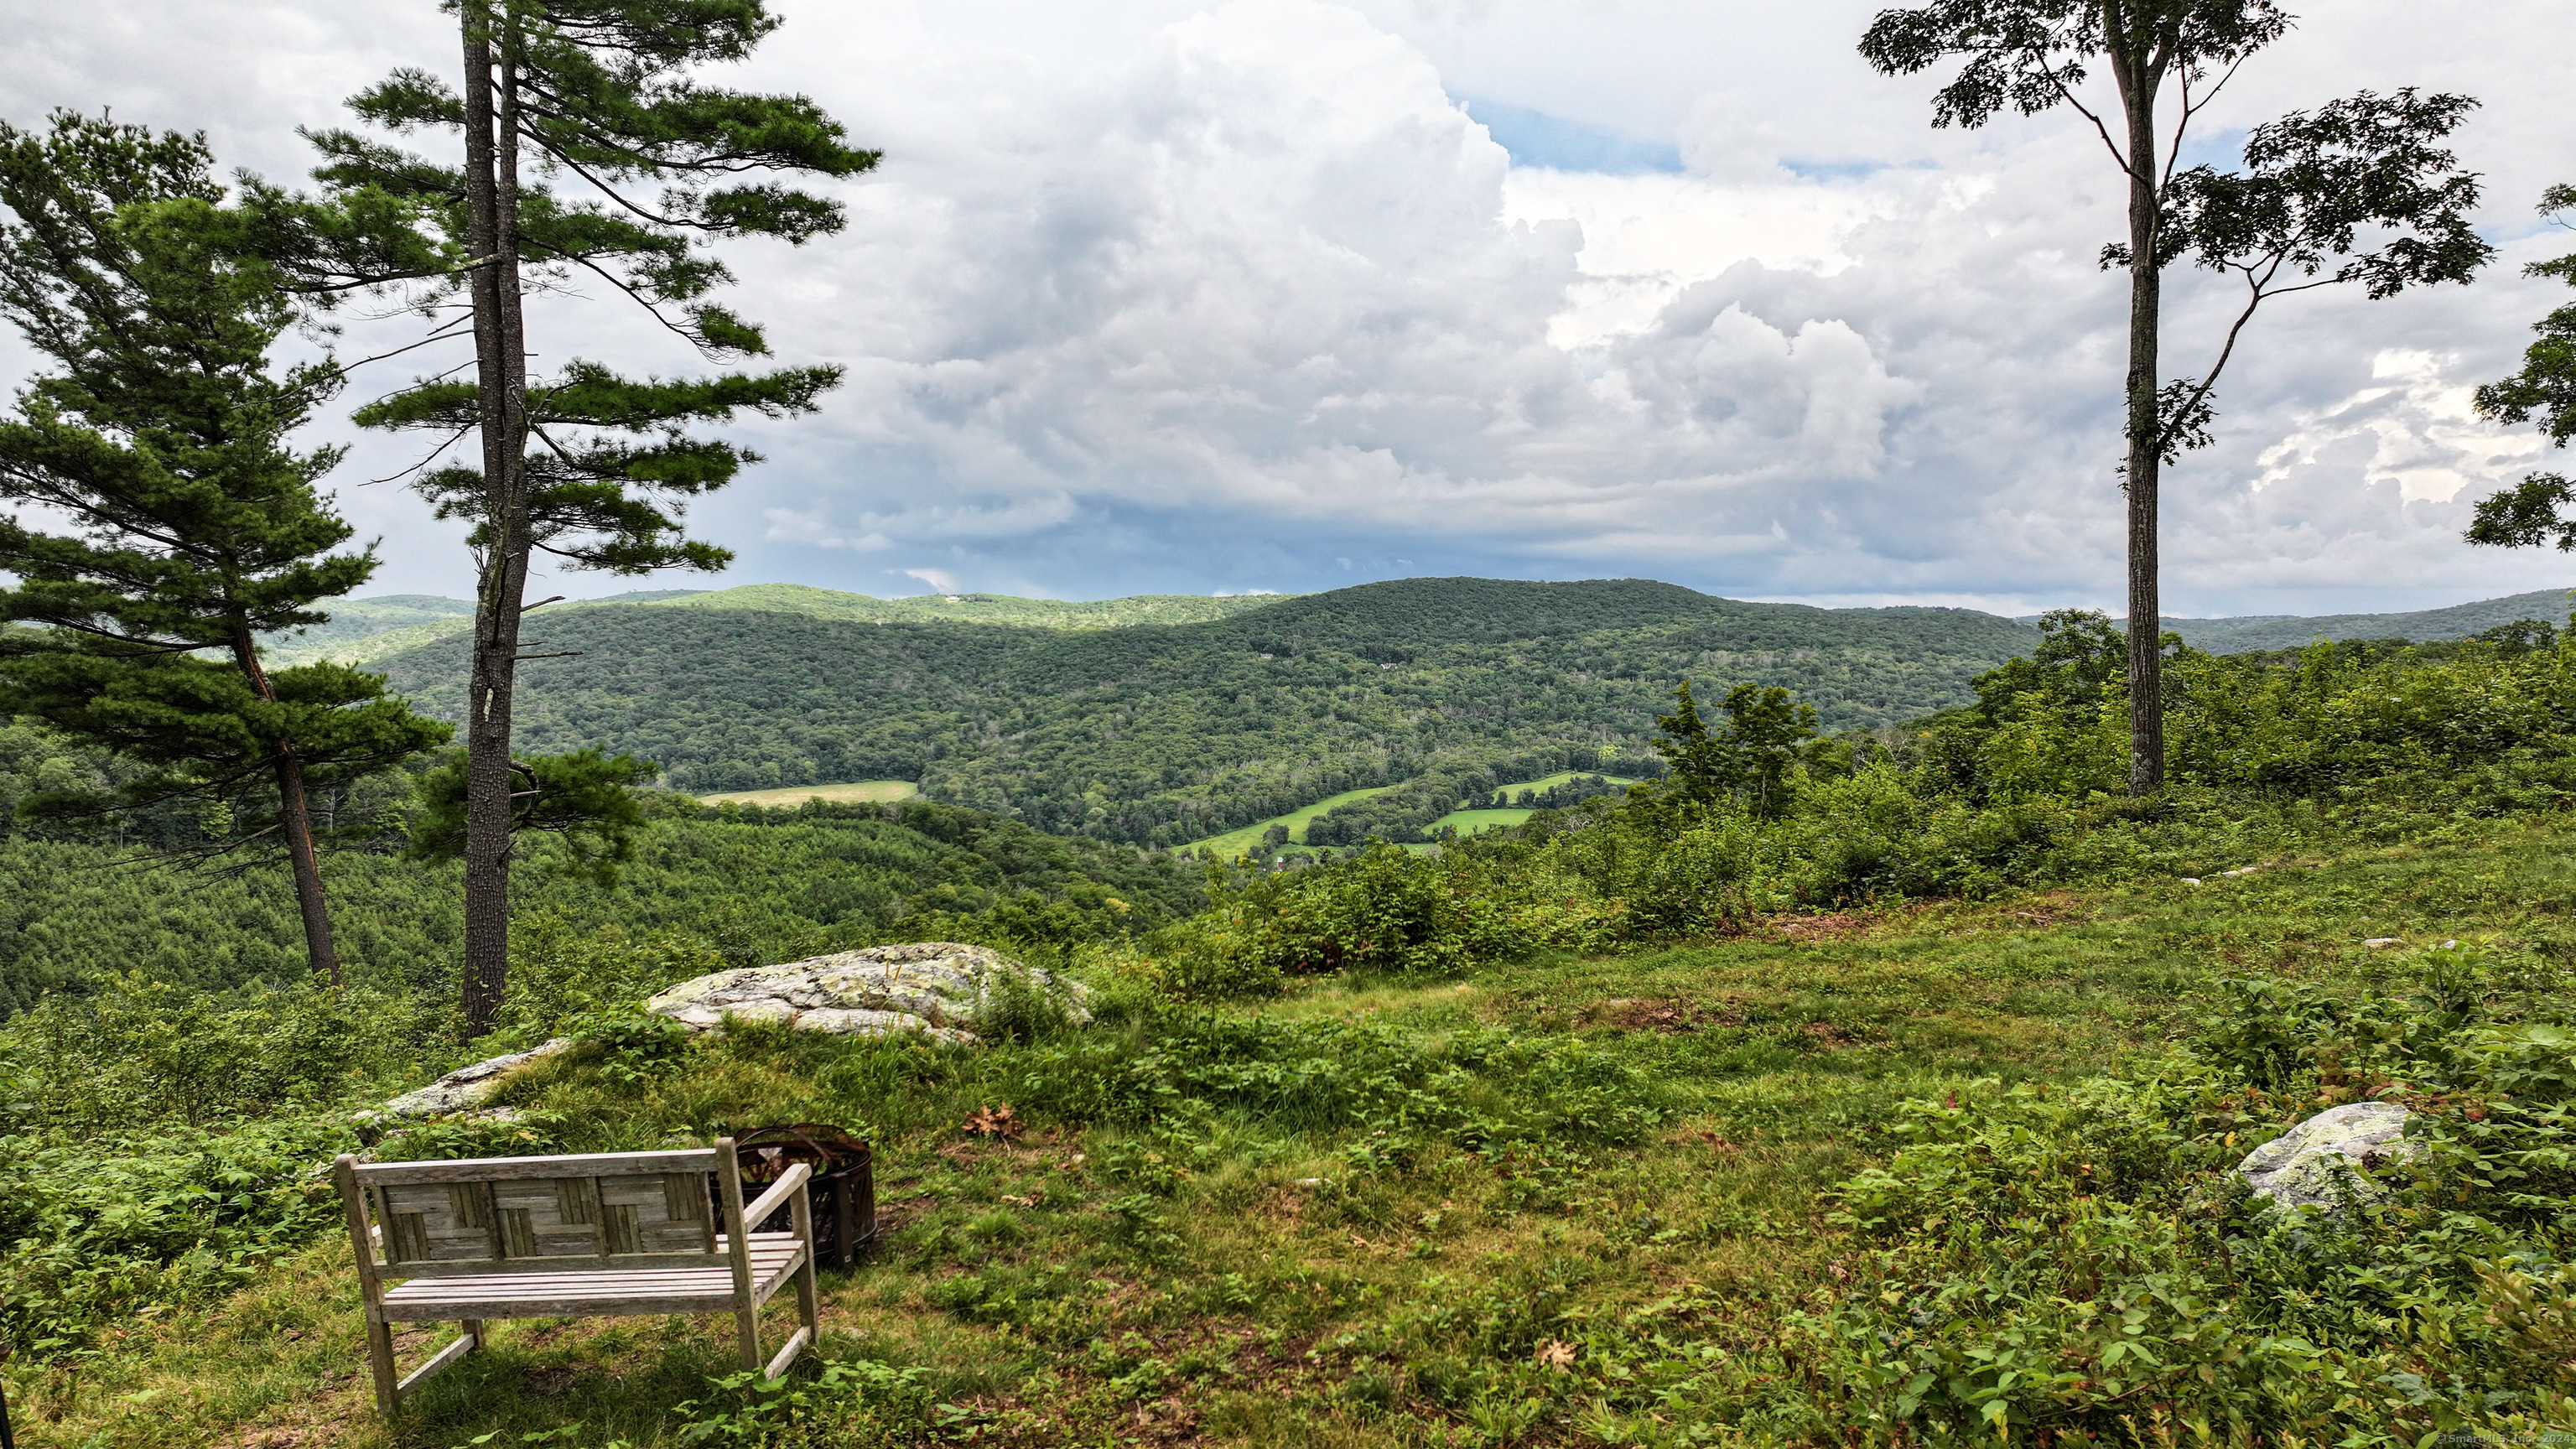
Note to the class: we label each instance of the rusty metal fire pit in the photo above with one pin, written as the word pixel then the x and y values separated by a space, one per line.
pixel 844 1182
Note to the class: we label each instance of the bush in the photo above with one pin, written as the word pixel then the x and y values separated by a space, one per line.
pixel 2067 1261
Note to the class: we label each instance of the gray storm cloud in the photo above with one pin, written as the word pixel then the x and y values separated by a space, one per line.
pixel 1243 297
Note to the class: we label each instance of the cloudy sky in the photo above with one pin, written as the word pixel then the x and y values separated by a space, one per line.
pixel 1287 294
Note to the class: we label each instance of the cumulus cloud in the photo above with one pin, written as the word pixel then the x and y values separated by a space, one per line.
pixel 1164 296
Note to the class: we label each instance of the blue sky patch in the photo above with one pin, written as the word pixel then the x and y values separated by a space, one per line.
pixel 1535 138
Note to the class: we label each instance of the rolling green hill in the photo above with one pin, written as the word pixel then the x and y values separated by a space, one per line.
pixel 2247 633
pixel 363 630
pixel 1163 734
pixel 1124 613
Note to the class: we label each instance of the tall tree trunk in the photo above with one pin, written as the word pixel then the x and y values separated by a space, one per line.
pixel 2137 64
pixel 319 948
pixel 492 199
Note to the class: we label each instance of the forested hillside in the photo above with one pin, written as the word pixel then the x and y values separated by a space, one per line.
pixel 2250 632
pixel 1161 735
pixel 375 628
pixel 977 608
pixel 770 884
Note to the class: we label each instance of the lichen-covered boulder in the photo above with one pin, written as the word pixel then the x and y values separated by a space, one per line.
pixel 936 989
pixel 2299 1167
pixel 466 1087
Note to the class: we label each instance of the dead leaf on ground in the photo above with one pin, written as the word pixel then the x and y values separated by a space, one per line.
pixel 1557 1354
pixel 990 1121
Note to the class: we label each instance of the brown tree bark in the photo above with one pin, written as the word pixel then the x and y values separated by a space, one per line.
pixel 492 205
pixel 2138 57
pixel 320 948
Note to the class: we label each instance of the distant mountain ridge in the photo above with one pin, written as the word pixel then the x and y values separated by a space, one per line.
pixel 366 629
pixel 2246 633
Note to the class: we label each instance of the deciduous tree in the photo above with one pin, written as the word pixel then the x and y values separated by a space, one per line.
pixel 2356 191
pixel 1751 761
pixel 2528 514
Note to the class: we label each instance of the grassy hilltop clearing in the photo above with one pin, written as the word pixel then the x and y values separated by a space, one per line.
pixel 1585 1199
pixel 1900 1104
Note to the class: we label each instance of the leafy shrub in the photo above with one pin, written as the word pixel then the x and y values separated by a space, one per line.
pixel 141 1052
pixel 133 1225
pixel 849 1404
pixel 2063 1261
pixel 1479 1090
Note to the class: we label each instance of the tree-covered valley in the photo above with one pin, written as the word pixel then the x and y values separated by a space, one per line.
pixel 1166 734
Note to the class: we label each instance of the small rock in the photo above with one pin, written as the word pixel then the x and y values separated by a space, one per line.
pixel 2378 942
pixel 463 1088
pixel 2299 1167
pixel 934 989
pixel 2191 880
pixel 2240 870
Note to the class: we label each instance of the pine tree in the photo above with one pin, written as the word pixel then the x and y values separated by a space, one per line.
pixel 161 433
pixel 598 93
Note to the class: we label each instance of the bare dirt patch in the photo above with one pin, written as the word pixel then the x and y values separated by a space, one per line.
pixel 1834 1038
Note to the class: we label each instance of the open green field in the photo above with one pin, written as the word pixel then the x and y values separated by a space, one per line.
pixel 856 792
pixel 1236 842
pixel 1476 822
pixel 1193 1258
pixel 1469 822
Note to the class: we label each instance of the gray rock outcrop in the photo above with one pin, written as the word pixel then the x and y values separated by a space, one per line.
pixel 466 1087
pixel 2299 1167
pixel 936 989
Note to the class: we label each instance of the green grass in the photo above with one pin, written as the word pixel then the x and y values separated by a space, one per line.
pixel 857 792
pixel 1476 822
pixel 1233 1274
pixel 1236 842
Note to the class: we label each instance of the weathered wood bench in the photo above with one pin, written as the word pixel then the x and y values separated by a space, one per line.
pixel 592 1236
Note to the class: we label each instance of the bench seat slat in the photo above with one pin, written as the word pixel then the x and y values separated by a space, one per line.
pixel 500 1169
pixel 774 1259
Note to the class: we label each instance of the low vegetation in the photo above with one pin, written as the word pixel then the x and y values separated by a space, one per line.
pixel 1828 1091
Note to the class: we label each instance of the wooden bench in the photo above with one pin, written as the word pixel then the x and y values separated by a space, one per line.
pixel 592 1236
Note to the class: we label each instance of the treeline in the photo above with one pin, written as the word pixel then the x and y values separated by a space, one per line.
pixel 2025 787
pixel 761 885
pixel 1563 795
pixel 1163 735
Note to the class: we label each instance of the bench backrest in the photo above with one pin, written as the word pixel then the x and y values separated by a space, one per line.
pixel 601 1211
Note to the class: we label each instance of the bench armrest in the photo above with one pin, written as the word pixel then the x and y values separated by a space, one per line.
pixel 769 1201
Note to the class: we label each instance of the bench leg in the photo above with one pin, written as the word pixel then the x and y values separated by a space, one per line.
pixel 809 1298
pixel 380 1360
pixel 746 1315
pixel 464 1344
